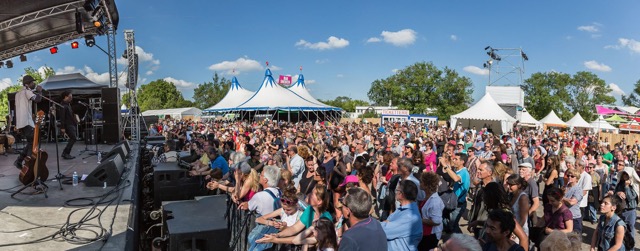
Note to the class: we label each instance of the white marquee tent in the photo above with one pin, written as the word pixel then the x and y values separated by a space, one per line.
pixel 485 113
pixel 235 96
pixel 578 121
pixel 528 120
pixel 602 125
pixel 178 113
pixel 553 120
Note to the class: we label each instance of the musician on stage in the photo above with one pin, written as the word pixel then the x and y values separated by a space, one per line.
pixel 24 114
pixel 69 123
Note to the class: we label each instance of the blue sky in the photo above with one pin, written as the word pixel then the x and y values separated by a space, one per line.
pixel 343 46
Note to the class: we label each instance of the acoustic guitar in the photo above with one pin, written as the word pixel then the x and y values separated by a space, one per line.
pixel 34 166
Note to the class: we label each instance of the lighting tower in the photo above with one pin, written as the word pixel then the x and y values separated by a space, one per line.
pixel 505 65
pixel 133 119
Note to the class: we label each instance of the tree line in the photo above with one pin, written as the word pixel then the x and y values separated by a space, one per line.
pixel 421 88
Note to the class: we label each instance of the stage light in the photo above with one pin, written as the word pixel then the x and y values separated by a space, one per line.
pixel 486 48
pixel 524 56
pixel 79 25
pixel 89 40
pixel 23 58
pixel 9 64
pixel 74 45
pixel 97 24
pixel 53 50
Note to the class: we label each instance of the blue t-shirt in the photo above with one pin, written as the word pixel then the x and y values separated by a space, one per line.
pixel 221 163
pixel 462 187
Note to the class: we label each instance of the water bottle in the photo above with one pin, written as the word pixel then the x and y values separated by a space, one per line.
pixel 99 157
pixel 75 178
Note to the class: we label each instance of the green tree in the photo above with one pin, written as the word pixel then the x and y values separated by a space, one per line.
pixel 346 103
pixel 210 93
pixel 586 91
pixel 546 91
pixel 634 97
pixel 160 94
pixel 37 76
pixel 421 86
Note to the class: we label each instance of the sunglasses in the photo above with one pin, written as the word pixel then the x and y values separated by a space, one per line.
pixel 571 176
pixel 341 200
pixel 288 202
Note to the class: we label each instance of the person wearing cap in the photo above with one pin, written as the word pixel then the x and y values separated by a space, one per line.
pixel 526 172
pixel 24 114
pixel 460 148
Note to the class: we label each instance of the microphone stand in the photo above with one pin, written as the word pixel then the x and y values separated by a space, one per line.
pixel 52 111
pixel 93 134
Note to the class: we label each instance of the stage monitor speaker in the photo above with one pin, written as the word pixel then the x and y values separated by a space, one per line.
pixel 108 171
pixel 170 183
pixel 197 224
pixel 121 149
pixel 111 133
pixel 111 96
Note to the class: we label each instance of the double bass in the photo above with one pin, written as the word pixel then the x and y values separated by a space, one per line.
pixel 34 166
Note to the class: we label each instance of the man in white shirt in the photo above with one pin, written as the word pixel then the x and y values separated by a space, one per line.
pixel 585 183
pixel 295 164
pixel 24 114
pixel 263 203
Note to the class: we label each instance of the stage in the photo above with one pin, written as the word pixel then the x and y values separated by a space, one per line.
pixel 24 217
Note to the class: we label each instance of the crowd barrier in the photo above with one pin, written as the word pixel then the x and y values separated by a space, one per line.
pixel 240 224
pixel 614 138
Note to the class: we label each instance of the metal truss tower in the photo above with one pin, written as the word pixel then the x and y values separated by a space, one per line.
pixel 133 119
pixel 505 65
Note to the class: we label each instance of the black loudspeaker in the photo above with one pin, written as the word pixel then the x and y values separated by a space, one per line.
pixel 111 96
pixel 197 224
pixel 170 183
pixel 108 171
pixel 121 149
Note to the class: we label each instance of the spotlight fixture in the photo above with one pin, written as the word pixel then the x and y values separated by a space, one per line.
pixel 89 40
pixel 524 56
pixel 9 64
pixel 486 48
pixel 79 24
pixel 74 45
pixel 97 24
pixel 23 58
pixel 53 50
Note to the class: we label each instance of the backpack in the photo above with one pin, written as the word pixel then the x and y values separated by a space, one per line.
pixel 628 240
pixel 276 200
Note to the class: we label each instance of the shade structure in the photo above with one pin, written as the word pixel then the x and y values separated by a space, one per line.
pixel 616 119
pixel 485 113
pixel 602 110
pixel 578 122
pixel 553 120
pixel 627 109
pixel 602 125
pixel 527 120
pixel 301 89
pixel 271 96
pixel 235 96
pixel 75 82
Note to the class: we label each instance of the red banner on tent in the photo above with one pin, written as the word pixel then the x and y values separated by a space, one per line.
pixel 284 80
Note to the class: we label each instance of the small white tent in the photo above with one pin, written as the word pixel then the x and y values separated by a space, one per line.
pixel 235 96
pixel 176 113
pixel 553 120
pixel 485 113
pixel 528 120
pixel 602 125
pixel 578 121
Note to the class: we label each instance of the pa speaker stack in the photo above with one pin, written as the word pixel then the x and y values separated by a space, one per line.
pixel 111 113
pixel 170 183
pixel 197 224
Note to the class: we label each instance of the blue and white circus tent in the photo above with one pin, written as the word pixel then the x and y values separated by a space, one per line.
pixel 301 89
pixel 276 102
pixel 235 96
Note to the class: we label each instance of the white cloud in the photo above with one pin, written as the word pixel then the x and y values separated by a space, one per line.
pixel 4 83
pixel 275 68
pixel 593 65
pixel 476 70
pixel 399 38
pixel 395 70
pixel 332 43
pixel 180 83
pixel 239 65
pixel 340 76
pixel 453 38
pixel 374 40
pixel 626 43
pixel 149 73
pixel 145 59
pixel 322 61
pixel 616 90
pixel 588 28
pixel 294 78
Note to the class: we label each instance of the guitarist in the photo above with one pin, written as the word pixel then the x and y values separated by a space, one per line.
pixel 24 114
pixel 68 123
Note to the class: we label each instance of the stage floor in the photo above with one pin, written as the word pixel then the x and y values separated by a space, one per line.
pixel 52 211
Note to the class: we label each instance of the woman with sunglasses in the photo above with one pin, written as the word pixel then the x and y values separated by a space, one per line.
pixel 572 198
pixel 288 213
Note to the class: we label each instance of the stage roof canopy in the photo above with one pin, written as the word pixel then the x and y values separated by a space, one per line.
pixel 27 26
pixel 75 82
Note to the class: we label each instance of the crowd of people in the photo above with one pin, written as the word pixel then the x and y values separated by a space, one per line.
pixel 402 186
